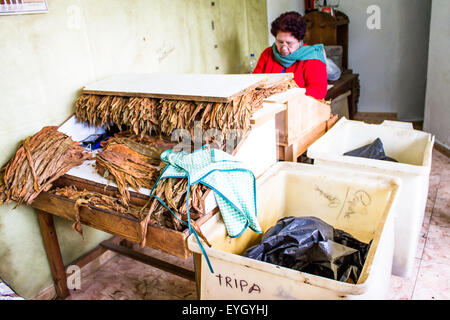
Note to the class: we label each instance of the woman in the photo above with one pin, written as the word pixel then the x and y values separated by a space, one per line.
pixel 290 54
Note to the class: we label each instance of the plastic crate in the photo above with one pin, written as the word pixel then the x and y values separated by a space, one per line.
pixel 359 204
pixel 413 151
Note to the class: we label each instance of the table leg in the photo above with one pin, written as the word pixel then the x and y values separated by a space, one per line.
pixel 351 106
pixel 353 98
pixel 198 264
pixel 53 253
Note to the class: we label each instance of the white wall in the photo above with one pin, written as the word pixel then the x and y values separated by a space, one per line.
pixel 437 108
pixel 277 7
pixel 392 61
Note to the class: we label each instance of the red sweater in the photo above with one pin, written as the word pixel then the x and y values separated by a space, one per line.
pixel 310 74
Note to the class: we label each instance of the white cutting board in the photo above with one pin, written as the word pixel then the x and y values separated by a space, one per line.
pixel 197 87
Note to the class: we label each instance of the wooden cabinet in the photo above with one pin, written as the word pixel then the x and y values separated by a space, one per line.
pixel 323 28
pixel 328 30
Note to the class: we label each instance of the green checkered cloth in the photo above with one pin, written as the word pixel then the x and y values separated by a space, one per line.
pixel 233 184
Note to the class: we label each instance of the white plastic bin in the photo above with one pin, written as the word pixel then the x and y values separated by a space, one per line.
pixel 356 203
pixel 413 150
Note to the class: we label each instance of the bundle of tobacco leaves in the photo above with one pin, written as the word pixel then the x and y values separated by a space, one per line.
pixel 141 115
pixel 268 90
pixel 131 161
pixel 145 116
pixel 39 160
pixel 173 192
pixel 178 114
pixel 100 200
pixel 207 115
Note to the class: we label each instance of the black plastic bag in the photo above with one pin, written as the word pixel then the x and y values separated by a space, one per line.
pixel 374 150
pixel 313 246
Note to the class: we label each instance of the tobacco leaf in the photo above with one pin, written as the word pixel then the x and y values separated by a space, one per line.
pixel 131 161
pixel 39 160
pixel 99 200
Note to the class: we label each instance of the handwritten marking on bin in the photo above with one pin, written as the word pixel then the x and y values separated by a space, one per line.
pixel 356 202
pixel 361 200
pixel 239 284
pixel 333 202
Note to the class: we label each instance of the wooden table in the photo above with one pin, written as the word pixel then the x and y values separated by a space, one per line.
pixel 349 81
pixel 125 227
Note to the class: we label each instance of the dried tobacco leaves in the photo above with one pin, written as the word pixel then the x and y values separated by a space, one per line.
pixel 88 198
pixel 39 160
pixel 100 200
pixel 131 161
pixel 264 92
pixel 141 115
pixel 145 116
pixel 173 193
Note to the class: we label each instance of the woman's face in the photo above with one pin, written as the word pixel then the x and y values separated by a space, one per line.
pixel 286 43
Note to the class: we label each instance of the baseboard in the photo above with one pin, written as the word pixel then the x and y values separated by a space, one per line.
pixel 374 117
pixel 379 117
pixel 384 115
pixel 442 149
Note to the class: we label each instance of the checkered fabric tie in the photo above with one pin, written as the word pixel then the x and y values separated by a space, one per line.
pixel 233 184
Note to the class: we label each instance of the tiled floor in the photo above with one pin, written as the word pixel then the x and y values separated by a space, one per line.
pixel 124 278
pixel 431 276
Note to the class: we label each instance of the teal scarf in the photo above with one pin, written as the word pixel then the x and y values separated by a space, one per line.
pixel 303 53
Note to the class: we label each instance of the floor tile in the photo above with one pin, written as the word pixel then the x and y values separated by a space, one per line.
pixel 403 288
pixel 422 240
pixel 433 281
pixel 182 288
pixel 424 231
pixel 441 210
pixel 104 285
pixel 437 246
pixel 164 281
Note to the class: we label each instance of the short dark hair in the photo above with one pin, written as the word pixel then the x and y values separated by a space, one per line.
pixel 289 22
